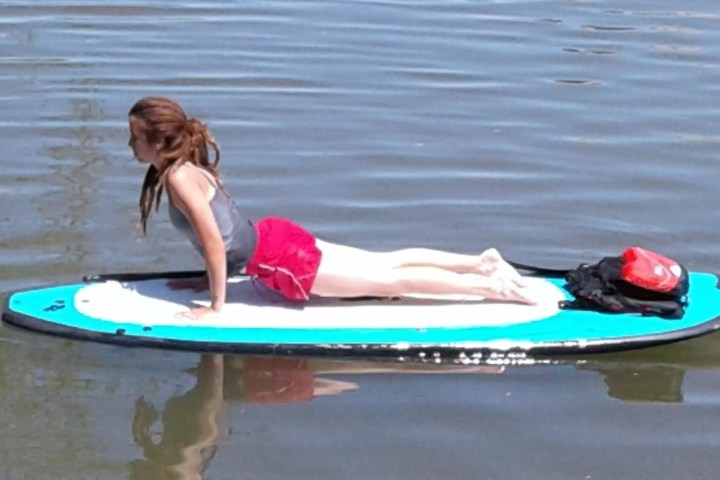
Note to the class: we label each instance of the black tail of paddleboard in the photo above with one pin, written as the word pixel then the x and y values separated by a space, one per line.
pixel 135 276
pixel 540 271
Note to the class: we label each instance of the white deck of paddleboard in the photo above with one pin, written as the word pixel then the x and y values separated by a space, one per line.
pixel 151 302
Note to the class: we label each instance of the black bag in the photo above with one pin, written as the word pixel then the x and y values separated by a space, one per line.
pixel 638 281
pixel 601 287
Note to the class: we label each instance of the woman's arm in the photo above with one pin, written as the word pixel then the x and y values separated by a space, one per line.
pixel 189 196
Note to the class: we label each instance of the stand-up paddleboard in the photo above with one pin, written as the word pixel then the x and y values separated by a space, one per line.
pixel 141 310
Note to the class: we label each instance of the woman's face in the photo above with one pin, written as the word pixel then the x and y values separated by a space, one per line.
pixel 143 151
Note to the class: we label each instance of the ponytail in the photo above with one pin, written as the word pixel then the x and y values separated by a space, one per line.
pixel 183 139
pixel 199 138
pixel 151 191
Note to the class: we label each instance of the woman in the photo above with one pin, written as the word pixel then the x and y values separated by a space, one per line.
pixel 280 254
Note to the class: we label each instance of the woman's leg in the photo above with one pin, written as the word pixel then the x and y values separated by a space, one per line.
pixel 489 262
pixel 344 276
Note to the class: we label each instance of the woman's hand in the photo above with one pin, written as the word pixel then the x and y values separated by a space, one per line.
pixel 199 313
pixel 199 284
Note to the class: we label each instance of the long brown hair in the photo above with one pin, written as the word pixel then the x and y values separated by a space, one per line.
pixel 182 139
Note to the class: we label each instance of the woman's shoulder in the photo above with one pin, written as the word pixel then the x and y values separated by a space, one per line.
pixel 184 179
pixel 183 174
pixel 189 181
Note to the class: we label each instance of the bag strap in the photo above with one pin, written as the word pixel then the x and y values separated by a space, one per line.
pixel 534 270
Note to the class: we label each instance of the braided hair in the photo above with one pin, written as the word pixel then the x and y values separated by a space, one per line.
pixel 163 121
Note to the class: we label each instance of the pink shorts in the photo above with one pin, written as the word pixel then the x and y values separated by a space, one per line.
pixel 286 259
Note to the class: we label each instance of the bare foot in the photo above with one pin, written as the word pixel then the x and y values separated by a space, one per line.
pixel 493 265
pixel 508 291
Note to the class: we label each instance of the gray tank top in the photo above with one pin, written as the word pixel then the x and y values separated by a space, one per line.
pixel 238 233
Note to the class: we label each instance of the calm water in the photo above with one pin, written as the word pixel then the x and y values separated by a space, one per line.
pixel 559 131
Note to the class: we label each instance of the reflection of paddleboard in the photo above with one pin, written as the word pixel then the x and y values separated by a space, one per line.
pixel 140 310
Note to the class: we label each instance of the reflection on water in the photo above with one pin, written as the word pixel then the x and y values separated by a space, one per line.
pixel 654 374
pixel 180 439
pixel 58 221
pixel 644 383
pixel 277 380
pixel 190 428
pixel 212 416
